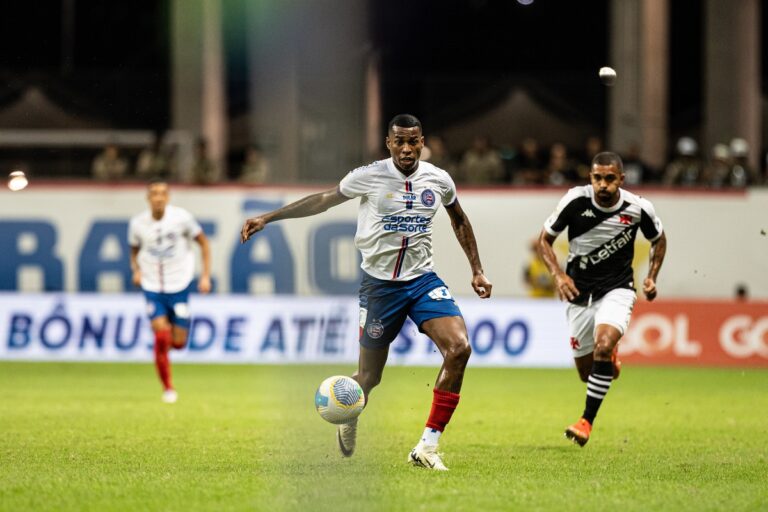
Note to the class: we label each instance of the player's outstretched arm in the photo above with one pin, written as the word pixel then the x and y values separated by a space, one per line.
pixel 566 288
pixel 135 271
pixel 658 251
pixel 466 237
pixel 305 207
pixel 204 283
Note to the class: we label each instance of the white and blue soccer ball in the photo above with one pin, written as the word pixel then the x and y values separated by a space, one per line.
pixel 339 399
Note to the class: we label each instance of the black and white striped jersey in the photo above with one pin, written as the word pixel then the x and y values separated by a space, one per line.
pixel 602 240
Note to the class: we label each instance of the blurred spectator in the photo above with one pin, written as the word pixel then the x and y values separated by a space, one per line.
pixel 686 167
pixel 717 171
pixel 153 162
pixel 109 165
pixel 560 169
pixel 438 154
pixel 481 163
pixel 742 174
pixel 742 293
pixel 529 166
pixel 592 146
pixel 636 171
pixel 537 276
pixel 204 170
pixel 255 168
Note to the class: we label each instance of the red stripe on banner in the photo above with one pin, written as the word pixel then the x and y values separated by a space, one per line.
pixel 400 257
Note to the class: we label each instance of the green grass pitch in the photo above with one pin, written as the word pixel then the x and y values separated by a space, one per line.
pixel 97 437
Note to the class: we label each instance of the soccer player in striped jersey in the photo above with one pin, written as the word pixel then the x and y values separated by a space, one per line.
pixel 399 197
pixel 163 264
pixel 602 221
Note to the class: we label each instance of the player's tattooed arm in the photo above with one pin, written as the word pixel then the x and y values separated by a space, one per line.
pixel 466 237
pixel 566 288
pixel 305 207
pixel 656 257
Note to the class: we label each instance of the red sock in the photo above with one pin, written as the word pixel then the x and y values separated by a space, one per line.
pixel 443 405
pixel 162 362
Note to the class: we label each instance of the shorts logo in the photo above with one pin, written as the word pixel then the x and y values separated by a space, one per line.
pixel 150 308
pixel 181 310
pixel 575 343
pixel 363 316
pixel 428 198
pixel 441 293
pixel 375 329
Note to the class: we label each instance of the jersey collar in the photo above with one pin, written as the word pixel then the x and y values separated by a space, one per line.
pixel 602 208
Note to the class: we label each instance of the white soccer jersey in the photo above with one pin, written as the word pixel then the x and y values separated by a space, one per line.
pixel 394 220
pixel 602 240
pixel 166 257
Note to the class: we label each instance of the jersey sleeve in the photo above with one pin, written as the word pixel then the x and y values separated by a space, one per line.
pixel 650 224
pixel 191 227
pixel 449 194
pixel 558 221
pixel 354 183
pixel 134 240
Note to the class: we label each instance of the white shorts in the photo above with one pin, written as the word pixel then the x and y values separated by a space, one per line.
pixel 613 309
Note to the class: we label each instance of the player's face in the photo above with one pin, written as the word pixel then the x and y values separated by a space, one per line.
pixel 158 197
pixel 405 145
pixel 606 180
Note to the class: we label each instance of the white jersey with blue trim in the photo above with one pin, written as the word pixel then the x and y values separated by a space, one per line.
pixel 394 220
pixel 166 258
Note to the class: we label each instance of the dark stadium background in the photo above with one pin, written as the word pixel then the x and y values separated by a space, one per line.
pixel 110 59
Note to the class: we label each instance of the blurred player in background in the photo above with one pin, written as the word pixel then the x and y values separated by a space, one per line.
pixel 163 265
pixel 399 197
pixel 602 221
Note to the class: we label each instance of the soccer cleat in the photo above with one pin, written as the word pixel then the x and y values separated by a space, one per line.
pixel 616 362
pixel 170 396
pixel 426 456
pixel 579 432
pixel 346 435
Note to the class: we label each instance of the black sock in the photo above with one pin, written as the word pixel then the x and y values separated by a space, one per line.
pixel 598 384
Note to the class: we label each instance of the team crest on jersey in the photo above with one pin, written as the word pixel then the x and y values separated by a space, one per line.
pixel 375 329
pixel 428 198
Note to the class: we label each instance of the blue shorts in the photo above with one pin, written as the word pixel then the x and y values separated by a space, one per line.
pixel 385 304
pixel 172 305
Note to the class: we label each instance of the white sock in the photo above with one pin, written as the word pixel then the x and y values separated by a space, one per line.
pixel 430 436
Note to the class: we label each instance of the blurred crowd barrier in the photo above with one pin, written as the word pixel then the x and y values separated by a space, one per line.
pixel 287 330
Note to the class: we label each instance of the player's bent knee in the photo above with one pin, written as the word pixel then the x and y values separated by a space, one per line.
pixel 603 349
pixel 459 352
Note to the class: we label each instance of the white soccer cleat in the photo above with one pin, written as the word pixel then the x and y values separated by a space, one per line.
pixel 426 456
pixel 346 436
pixel 170 396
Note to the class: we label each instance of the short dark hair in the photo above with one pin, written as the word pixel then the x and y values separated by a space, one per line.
pixel 404 121
pixel 608 158
pixel 157 181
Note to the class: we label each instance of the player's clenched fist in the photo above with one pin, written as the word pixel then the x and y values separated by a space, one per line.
pixel 251 226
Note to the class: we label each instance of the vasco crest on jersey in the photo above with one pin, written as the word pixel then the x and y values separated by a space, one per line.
pixel 428 198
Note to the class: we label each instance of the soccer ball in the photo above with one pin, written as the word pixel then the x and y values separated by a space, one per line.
pixel 339 399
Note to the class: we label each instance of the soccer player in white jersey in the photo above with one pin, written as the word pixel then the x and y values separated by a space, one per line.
pixel 602 221
pixel 399 197
pixel 163 265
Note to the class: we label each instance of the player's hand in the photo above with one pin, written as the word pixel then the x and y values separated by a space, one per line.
pixel 649 288
pixel 566 288
pixel 204 284
pixel 251 226
pixel 482 286
pixel 136 278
